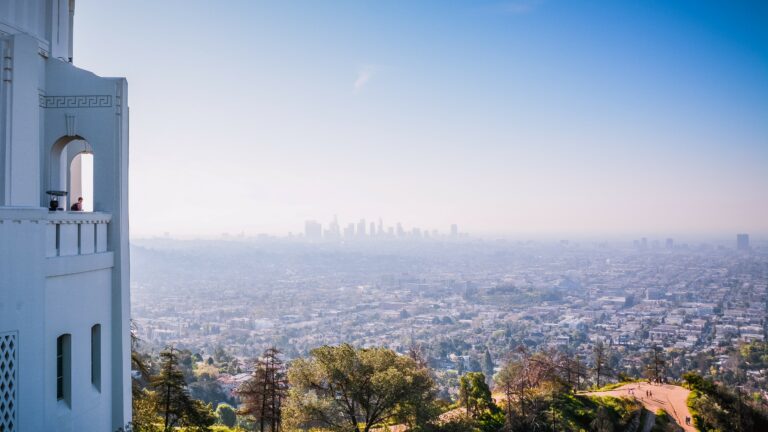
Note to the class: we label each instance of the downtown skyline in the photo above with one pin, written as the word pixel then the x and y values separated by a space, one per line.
pixel 522 118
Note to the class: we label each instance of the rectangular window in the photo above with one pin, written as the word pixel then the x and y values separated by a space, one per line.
pixel 79 239
pixel 60 367
pixel 63 368
pixel 96 356
pixel 58 239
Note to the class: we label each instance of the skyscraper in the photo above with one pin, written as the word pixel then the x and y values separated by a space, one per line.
pixel 349 231
pixel 742 242
pixel 64 281
pixel 334 230
pixel 361 228
pixel 313 230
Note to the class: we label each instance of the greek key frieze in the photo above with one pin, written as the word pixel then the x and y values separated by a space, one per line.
pixel 87 101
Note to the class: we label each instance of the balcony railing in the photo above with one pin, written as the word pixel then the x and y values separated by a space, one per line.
pixel 76 233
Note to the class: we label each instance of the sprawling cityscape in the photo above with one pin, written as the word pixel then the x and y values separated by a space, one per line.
pixel 383 216
pixel 458 298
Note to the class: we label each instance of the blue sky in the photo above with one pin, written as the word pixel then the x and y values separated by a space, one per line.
pixel 528 118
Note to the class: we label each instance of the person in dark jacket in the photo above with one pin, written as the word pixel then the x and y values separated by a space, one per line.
pixel 78 206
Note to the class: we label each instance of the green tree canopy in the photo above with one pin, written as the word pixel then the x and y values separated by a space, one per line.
pixel 226 415
pixel 474 393
pixel 343 388
pixel 174 403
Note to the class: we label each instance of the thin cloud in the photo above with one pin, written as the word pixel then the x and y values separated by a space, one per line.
pixel 363 76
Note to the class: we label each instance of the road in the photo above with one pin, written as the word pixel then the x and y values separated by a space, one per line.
pixel 671 398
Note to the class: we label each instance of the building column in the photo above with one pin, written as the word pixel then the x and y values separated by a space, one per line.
pixel 21 136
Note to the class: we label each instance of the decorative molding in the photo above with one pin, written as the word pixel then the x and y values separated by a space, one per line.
pixel 119 99
pixel 7 71
pixel 8 385
pixel 86 101
pixel 71 121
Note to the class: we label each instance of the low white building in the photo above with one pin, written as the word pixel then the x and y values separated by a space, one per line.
pixel 64 292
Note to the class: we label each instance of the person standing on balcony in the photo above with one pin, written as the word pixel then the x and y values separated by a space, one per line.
pixel 78 206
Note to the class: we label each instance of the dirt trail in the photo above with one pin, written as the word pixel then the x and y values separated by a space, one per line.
pixel 670 398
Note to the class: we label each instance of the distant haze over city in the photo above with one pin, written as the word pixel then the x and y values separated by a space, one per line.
pixel 529 118
pixel 384 215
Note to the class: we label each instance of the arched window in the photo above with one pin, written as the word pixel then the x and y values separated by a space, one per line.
pixel 71 170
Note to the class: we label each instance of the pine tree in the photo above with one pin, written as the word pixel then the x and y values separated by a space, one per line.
pixel 174 404
pixel 474 393
pixel 601 367
pixel 656 365
pixel 264 393
pixel 570 369
pixel 525 383
pixel 171 389
pixel 488 366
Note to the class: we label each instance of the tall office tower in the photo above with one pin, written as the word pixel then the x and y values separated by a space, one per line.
pixel 349 231
pixel 400 230
pixel 334 231
pixel 381 227
pixel 644 243
pixel 742 242
pixel 313 230
pixel 64 280
pixel 454 230
pixel 670 244
pixel 361 228
pixel 373 229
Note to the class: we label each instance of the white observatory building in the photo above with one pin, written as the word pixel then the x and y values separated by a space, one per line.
pixel 64 275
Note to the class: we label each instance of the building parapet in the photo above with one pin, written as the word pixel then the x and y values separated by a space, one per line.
pixel 76 233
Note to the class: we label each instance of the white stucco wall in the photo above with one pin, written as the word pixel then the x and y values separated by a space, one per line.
pixel 22 306
pixel 73 304
pixel 61 272
pixel 49 22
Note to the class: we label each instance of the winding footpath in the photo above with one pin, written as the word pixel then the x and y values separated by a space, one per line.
pixel 671 398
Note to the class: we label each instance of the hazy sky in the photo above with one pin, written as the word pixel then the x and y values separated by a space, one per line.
pixel 518 117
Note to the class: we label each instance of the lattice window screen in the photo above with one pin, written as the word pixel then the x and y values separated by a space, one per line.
pixel 8 349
